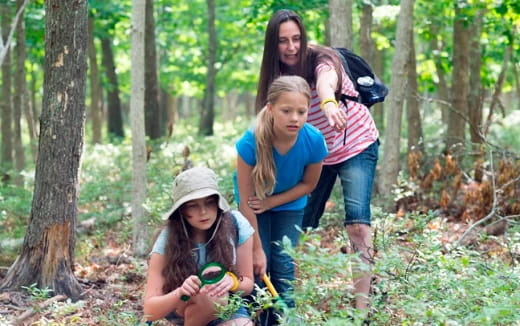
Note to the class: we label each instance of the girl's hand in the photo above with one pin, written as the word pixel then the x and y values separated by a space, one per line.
pixel 258 205
pixel 191 286
pixel 219 289
pixel 259 261
pixel 337 118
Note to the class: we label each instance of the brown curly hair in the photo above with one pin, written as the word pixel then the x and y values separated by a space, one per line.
pixel 181 252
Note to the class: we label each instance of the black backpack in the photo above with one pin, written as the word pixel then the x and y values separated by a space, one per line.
pixel 370 88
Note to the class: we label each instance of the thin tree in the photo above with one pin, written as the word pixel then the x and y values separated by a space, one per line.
pixel 207 116
pixel 457 115
pixel 413 113
pixel 115 116
pixel 95 85
pixel 340 23
pixel 391 146
pixel 140 231
pixel 153 127
pixel 6 101
pixel 47 254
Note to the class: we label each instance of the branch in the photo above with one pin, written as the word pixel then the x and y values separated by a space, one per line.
pixel 32 311
pixel 5 47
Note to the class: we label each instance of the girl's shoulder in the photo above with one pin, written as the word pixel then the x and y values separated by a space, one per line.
pixel 312 131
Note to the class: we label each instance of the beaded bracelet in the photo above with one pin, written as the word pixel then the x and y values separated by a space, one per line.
pixel 235 281
pixel 327 100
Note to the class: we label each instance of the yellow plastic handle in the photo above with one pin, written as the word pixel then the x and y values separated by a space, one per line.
pixel 269 285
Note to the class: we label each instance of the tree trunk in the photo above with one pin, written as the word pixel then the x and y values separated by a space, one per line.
pixel 442 85
pixel 378 110
pixel 140 231
pixel 340 23
pixel 390 165
pixel 115 120
pixel 475 86
pixel 460 81
pixel 208 113
pixel 365 34
pixel 413 113
pixel 21 94
pixel 48 250
pixel 19 97
pixel 95 86
pixel 6 101
pixel 151 86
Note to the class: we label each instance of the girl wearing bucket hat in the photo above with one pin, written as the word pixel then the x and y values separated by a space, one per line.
pixel 199 228
pixel 279 163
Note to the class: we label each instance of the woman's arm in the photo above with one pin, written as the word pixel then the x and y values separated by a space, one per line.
pixel 156 303
pixel 304 187
pixel 245 266
pixel 246 191
pixel 326 86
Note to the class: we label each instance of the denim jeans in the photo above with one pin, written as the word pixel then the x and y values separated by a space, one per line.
pixel 272 227
pixel 357 178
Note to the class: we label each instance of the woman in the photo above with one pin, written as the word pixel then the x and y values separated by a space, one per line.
pixel 350 133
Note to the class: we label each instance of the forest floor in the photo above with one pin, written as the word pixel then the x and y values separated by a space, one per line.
pixel 113 285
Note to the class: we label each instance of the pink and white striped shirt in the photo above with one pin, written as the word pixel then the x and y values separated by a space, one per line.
pixel 361 129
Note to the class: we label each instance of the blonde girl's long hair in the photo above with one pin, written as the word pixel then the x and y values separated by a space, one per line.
pixel 264 172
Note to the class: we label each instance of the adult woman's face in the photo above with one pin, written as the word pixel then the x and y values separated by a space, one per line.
pixel 289 42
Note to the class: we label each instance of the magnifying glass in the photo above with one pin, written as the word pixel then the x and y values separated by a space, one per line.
pixel 210 273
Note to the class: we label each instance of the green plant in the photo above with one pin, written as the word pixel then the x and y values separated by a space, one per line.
pixel 37 293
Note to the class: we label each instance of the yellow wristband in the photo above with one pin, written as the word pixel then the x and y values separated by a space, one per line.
pixel 235 281
pixel 327 100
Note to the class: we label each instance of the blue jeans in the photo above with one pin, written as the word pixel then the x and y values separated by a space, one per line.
pixel 357 178
pixel 272 227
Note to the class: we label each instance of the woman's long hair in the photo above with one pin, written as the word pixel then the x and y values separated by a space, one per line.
pixel 264 172
pixel 181 253
pixel 272 66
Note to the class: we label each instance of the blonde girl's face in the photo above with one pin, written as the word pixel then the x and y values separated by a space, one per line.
pixel 201 213
pixel 289 40
pixel 289 113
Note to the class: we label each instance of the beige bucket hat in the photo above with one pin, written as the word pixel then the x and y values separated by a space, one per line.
pixel 195 183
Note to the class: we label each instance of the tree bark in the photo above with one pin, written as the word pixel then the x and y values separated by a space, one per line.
pixel 475 95
pixel 6 101
pixel 378 110
pixel 151 86
pixel 340 23
pixel 442 85
pixel 413 113
pixel 48 250
pixel 19 97
pixel 95 86
pixel 140 231
pixel 21 82
pixel 208 113
pixel 391 147
pixel 365 34
pixel 115 119
pixel 460 82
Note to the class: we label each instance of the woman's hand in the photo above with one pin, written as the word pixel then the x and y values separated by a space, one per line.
pixel 337 118
pixel 258 205
pixel 191 286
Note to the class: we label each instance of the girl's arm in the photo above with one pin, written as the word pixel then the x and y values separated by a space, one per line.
pixel 156 303
pixel 304 187
pixel 326 84
pixel 246 191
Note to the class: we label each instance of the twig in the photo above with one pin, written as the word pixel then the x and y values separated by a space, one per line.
pixel 42 305
pixel 493 209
